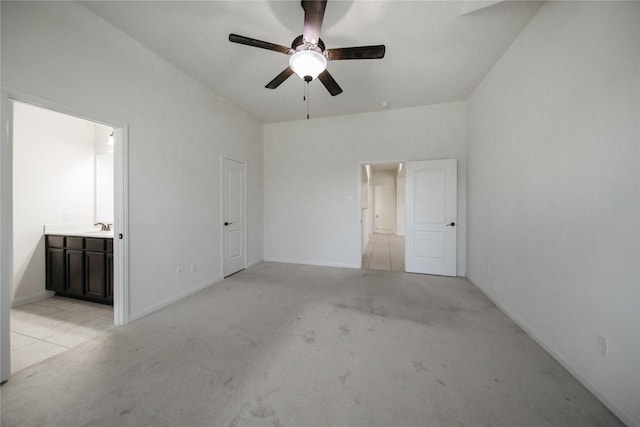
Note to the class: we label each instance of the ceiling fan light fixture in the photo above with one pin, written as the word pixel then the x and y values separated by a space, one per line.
pixel 308 63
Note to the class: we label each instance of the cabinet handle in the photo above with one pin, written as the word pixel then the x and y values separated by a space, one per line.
pixel 120 236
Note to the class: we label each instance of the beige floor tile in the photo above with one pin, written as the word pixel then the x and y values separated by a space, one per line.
pixel 19 340
pixel 384 252
pixel 33 353
pixel 47 327
pixel 74 336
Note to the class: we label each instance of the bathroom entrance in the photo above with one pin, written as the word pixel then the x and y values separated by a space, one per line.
pixel 66 233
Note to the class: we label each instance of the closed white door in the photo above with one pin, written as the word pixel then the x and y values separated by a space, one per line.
pixel 234 176
pixel 384 201
pixel 431 216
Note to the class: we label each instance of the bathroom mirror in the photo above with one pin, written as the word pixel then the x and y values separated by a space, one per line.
pixel 104 188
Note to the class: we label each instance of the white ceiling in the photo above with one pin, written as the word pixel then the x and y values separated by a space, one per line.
pixel 436 51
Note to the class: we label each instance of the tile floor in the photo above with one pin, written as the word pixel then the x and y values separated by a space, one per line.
pixel 42 329
pixel 384 252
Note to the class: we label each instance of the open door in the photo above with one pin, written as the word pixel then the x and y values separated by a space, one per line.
pixel 234 178
pixel 431 216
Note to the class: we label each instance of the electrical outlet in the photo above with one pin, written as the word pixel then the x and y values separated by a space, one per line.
pixel 602 345
pixel 194 267
pixel 179 271
pixel 488 270
pixel 66 215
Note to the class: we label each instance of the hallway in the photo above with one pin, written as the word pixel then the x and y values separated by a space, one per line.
pixel 384 252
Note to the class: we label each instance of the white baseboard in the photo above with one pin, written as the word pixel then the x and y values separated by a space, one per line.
pixel 169 301
pixel 311 262
pixel 32 298
pixel 619 412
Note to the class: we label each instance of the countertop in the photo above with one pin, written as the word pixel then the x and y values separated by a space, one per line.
pixel 97 234
pixel 81 229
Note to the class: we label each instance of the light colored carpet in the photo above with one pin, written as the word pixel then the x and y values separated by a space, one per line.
pixel 289 345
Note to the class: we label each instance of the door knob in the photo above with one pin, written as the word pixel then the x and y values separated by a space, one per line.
pixel 453 224
pixel 227 223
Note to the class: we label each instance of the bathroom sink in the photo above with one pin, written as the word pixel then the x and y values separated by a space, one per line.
pixel 89 233
pixel 101 233
pixel 78 230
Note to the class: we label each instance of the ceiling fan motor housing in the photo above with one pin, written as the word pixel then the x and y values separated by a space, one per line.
pixel 300 44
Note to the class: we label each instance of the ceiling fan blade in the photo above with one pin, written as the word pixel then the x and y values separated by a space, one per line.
pixel 328 82
pixel 359 52
pixel 280 78
pixel 235 38
pixel 313 16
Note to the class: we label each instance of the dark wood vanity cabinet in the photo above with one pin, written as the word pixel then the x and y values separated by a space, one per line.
pixel 56 278
pixel 110 276
pixel 80 267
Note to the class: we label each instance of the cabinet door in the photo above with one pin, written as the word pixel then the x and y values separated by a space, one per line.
pixel 109 276
pixel 55 270
pixel 75 272
pixel 95 265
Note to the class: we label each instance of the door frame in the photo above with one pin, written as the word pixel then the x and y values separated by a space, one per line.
pixel 358 219
pixel 245 238
pixel 121 214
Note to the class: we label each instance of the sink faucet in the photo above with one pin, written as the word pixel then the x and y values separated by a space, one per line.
pixel 103 226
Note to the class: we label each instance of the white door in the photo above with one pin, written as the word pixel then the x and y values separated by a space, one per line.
pixel 384 201
pixel 234 177
pixel 431 216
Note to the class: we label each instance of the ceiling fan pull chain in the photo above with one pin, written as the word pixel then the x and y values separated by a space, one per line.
pixel 308 94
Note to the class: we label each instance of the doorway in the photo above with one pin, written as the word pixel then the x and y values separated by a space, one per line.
pixel 383 205
pixel 44 177
pixel 425 216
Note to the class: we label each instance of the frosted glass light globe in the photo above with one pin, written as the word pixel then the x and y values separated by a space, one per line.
pixel 308 63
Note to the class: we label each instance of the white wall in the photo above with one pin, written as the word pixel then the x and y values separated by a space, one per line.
pixel 553 176
pixel 311 176
pixel 178 129
pixel 53 170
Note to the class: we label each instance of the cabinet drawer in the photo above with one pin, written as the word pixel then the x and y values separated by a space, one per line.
pixel 94 244
pixel 74 242
pixel 55 241
pixel 109 245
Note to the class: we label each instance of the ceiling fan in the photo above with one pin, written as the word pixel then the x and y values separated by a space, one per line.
pixel 308 53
